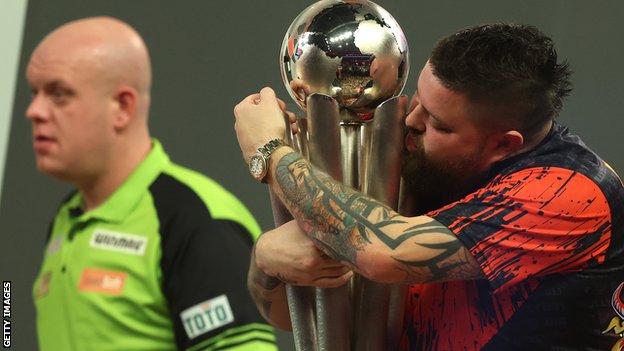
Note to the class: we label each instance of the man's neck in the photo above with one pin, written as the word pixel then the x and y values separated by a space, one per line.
pixel 97 190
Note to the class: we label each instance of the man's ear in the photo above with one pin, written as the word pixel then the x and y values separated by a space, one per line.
pixel 126 106
pixel 502 145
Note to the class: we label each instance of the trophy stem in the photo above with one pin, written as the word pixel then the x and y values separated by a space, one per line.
pixel 301 309
pixel 382 174
pixel 365 156
pixel 351 144
pixel 324 149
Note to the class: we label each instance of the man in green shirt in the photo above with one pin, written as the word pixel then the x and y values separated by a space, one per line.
pixel 145 255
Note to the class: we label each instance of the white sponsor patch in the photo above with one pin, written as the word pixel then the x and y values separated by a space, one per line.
pixel 206 316
pixel 121 242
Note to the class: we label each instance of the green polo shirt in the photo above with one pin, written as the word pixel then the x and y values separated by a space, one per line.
pixel 161 265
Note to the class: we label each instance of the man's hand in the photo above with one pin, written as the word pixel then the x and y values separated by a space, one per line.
pixel 288 254
pixel 259 119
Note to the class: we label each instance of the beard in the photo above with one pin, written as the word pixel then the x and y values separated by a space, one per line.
pixel 432 183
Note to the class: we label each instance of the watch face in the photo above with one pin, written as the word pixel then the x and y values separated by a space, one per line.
pixel 257 166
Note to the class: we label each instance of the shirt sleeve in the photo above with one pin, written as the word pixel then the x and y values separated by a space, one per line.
pixel 204 266
pixel 532 223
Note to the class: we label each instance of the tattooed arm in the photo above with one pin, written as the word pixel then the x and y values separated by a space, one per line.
pixel 372 238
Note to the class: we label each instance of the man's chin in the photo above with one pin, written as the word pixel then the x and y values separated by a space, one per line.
pixel 51 168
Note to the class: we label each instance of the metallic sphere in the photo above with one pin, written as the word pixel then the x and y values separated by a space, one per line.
pixel 352 50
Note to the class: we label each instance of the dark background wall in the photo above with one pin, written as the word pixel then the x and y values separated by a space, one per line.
pixel 207 55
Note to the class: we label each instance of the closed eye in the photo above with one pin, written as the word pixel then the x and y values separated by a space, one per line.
pixel 438 125
pixel 59 94
pixel 442 129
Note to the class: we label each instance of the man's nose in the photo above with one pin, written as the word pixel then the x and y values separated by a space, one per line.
pixel 415 119
pixel 38 109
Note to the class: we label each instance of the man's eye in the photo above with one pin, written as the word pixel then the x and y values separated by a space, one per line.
pixel 442 129
pixel 60 95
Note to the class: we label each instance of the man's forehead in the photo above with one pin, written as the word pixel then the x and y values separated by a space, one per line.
pixel 426 73
pixel 59 63
pixel 425 85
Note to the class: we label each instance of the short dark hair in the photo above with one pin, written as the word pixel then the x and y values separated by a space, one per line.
pixel 510 67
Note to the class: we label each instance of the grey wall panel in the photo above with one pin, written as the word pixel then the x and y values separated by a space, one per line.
pixel 12 19
pixel 208 55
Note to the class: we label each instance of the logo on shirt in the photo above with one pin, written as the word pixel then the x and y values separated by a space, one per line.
pixel 121 242
pixel 206 316
pixel 107 282
pixel 55 245
pixel 617 325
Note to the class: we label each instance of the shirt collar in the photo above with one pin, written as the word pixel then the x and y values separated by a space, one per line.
pixel 123 200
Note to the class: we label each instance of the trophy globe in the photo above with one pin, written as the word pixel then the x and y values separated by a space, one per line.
pixel 352 51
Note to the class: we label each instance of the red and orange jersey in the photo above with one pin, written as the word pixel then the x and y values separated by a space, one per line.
pixel 547 231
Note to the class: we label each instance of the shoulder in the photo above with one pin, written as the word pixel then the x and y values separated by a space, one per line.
pixel 563 156
pixel 182 189
pixel 188 228
pixel 562 150
pixel 535 192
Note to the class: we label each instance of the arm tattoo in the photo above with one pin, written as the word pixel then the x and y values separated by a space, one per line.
pixel 262 283
pixel 343 222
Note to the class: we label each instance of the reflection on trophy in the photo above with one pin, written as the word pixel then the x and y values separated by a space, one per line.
pixel 344 63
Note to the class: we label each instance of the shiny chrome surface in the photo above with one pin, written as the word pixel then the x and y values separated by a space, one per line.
pixel 381 180
pixel 301 306
pixel 353 51
pixel 333 319
pixel 384 152
pixel 323 138
pixel 324 149
pixel 351 145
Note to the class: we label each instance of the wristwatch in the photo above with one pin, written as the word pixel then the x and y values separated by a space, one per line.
pixel 259 161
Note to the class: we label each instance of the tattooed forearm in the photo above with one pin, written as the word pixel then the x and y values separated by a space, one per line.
pixel 345 222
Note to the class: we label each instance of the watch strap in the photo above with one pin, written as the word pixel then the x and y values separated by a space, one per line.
pixel 267 149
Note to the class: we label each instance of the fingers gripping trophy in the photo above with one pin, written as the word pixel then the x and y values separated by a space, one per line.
pixel 345 64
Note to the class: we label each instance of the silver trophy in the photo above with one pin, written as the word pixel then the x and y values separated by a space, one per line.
pixel 345 64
